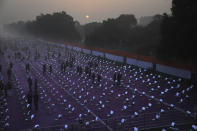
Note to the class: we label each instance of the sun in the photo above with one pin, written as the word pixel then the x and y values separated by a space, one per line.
pixel 87 17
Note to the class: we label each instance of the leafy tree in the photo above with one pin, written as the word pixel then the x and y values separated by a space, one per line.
pixel 58 25
pixel 112 32
pixel 91 27
pixel 178 31
pixel 123 33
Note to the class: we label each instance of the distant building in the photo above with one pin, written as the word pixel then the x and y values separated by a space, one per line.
pixel 144 21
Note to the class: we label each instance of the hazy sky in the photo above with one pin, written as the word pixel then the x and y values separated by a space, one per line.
pixel 98 10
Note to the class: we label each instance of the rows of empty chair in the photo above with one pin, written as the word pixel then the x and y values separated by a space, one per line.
pixel 143 99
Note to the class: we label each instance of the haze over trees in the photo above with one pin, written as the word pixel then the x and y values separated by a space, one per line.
pixel 112 31
pixel 144 21
pixel 123 33
pixel 58 25
pixel 166 36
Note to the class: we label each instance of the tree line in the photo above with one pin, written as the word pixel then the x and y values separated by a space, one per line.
pixel 178 31
pixel 167 36
pixel 123 33
pixel 58 25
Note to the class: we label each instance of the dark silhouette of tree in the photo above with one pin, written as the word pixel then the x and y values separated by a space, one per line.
pixel 123 33
pixel 126 22
pixel 112 32
pixel 58 25
pixel 179 31
pixel 120 33
pixel 91 27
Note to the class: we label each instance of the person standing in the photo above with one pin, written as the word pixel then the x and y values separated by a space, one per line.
pixel 1 85
pixel 29 99
pixel 6 90
pixel 11 65
pixel 62 67
pixel 36 95
pixel 0 68
pixel 36 101
pixel 1 73
pixel 99 77
pixel 80 71
pixel 90 71
pixel 50 69
pixel 93 77
pixel 9 73
pixel 114 78
pixel 119 78
pixel 44 69
pixel 29 80
pixel 36 85
pixel 27 67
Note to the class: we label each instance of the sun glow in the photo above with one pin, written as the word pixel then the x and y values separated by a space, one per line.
pixel 87 17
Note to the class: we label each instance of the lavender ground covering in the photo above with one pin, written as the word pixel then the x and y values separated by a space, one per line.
pixel 143 100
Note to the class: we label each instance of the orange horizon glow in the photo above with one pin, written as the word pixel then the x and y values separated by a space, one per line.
pixel 98 9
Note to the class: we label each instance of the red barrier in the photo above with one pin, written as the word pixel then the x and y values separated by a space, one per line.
pixel 176 64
